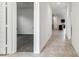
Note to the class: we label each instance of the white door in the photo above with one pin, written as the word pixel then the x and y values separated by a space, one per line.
pixel 2 28
pixel 12 27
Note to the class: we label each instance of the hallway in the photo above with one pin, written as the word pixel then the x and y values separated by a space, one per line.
pixel 55 47
pixel 58 47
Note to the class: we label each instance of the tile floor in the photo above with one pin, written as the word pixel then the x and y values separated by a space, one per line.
pixel 24 43
pixel 57 46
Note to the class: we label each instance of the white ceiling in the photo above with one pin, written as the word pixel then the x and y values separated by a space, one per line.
pixel 58 5
pixel 59 8
pixel 25 4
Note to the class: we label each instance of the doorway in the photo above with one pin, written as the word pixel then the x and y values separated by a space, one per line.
pixel 25 27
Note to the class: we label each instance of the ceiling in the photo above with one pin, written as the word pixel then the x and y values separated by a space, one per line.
pixel 58 5
pixel 25 4
pixel 59 8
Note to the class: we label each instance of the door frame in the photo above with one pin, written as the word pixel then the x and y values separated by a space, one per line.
pixel 12 25
pixel 11 22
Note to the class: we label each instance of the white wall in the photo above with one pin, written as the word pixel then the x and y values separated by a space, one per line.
pixel 25 21
pixel 75 26
pixel 45 23
pixel 68 21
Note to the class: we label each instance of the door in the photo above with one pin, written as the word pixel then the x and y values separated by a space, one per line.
pixel 12 27
pixel 2 28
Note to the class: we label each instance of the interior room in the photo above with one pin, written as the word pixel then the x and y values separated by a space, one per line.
pixel 25 26
pixel 19 19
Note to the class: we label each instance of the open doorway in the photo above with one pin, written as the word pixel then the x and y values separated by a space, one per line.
pixel 58 26
pixel 59 17
pixel 25 27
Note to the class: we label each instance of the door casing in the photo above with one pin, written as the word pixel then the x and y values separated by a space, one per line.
pixel 12 28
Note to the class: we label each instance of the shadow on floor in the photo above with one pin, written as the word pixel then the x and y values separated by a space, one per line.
pixel 25 43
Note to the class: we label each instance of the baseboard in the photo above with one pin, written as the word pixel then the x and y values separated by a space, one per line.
pixel 75 50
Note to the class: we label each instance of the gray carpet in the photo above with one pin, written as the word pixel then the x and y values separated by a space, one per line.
pixel 24 43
